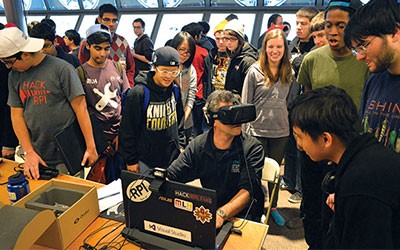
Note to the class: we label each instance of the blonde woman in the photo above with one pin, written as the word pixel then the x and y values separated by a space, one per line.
pixel 267 85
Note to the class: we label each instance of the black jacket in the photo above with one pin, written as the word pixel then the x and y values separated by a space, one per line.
pixel 367 197
pixel 238 68
pixel 143 46
pixel 226 171
pixel 7 135
pixel 152 135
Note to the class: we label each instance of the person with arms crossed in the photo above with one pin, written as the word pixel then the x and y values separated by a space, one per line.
pixel 366 183
pixel 226 160
pixel 43 101
pixel 143 47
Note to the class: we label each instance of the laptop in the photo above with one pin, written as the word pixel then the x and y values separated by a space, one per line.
pixel 71 143
pixel 170 215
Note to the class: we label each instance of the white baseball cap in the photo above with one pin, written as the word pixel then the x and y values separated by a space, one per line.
pixel 97 28
pixel 13 40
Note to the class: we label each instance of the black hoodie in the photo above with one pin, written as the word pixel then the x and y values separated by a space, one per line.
pixel 367 197
pixel 238 68
pixel 152 136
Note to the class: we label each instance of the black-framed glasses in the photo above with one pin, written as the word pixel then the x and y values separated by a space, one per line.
pixel 9 64
pixel 231 39
pixel 362 49
pixel 165 72
pixel 109 20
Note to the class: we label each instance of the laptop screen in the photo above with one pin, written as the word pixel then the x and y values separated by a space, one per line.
pixel 173 211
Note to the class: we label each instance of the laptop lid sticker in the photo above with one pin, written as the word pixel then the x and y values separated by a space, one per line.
pixel 168 231
pixel 138 191
pixel 202 214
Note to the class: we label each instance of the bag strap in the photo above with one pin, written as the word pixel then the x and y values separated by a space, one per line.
pixel 119 67
pixel 82 74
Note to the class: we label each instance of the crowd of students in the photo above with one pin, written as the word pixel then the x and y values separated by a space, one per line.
pixel 163 111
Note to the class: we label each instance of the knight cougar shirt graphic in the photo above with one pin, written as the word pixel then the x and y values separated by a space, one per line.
pixel 35 89
pixel 161 115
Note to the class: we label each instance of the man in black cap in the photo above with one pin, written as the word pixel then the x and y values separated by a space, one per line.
pixel 150 135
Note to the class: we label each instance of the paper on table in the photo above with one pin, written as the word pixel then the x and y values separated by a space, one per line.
pixel 110 195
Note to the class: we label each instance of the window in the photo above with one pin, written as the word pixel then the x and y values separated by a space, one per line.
pixel 246 19
pixel 231 3
pixel 125 27
pixel 3 19
pixel 290 18
pixel 29 5
pixel 327 1
pixel 171 24
pixel 87 21
pixel 63 4
pixel 64 23
pixel 289 2
pixel 139 3
pixel 95 4
pixel 183 3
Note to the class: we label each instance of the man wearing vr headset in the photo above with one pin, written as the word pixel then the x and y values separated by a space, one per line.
pixel 225 160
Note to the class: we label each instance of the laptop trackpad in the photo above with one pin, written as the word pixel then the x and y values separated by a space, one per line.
pixel 223 234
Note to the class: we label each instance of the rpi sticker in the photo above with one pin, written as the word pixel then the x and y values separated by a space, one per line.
pixel 138 190
pixel 202 214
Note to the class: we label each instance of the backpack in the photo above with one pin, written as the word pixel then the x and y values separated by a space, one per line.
pixel 146 97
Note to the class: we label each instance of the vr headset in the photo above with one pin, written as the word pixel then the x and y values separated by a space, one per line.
pixel 235 114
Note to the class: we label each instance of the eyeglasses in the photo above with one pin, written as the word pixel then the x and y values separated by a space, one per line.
pixel 9 64
pixel 362 49
pixel 108 20
pixel 165 72
pixel 231 39
pixel 184 51
pixel 47 45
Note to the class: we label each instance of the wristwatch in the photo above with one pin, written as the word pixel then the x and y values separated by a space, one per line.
pixel 221 213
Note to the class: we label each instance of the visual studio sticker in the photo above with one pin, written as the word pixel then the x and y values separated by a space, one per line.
pixel 138 191
pixel 202 214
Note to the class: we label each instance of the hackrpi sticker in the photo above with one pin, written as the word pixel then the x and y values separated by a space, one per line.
pixel 138 190
pixel 202 214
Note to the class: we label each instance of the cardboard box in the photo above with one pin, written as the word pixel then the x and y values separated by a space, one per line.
pixel 75 205
pixel 25 230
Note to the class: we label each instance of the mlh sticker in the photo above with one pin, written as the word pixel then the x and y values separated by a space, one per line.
pixel 202 214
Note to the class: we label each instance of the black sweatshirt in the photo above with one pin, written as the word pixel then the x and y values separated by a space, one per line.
pixel 152 136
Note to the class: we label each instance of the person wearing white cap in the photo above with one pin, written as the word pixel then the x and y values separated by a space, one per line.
pixel 45 96
pixel 242 55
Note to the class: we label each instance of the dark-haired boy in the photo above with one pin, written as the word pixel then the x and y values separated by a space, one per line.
pixel 329 65
pixel 150 135
pixel 366 185
pixel 104 86
pixel 50 47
